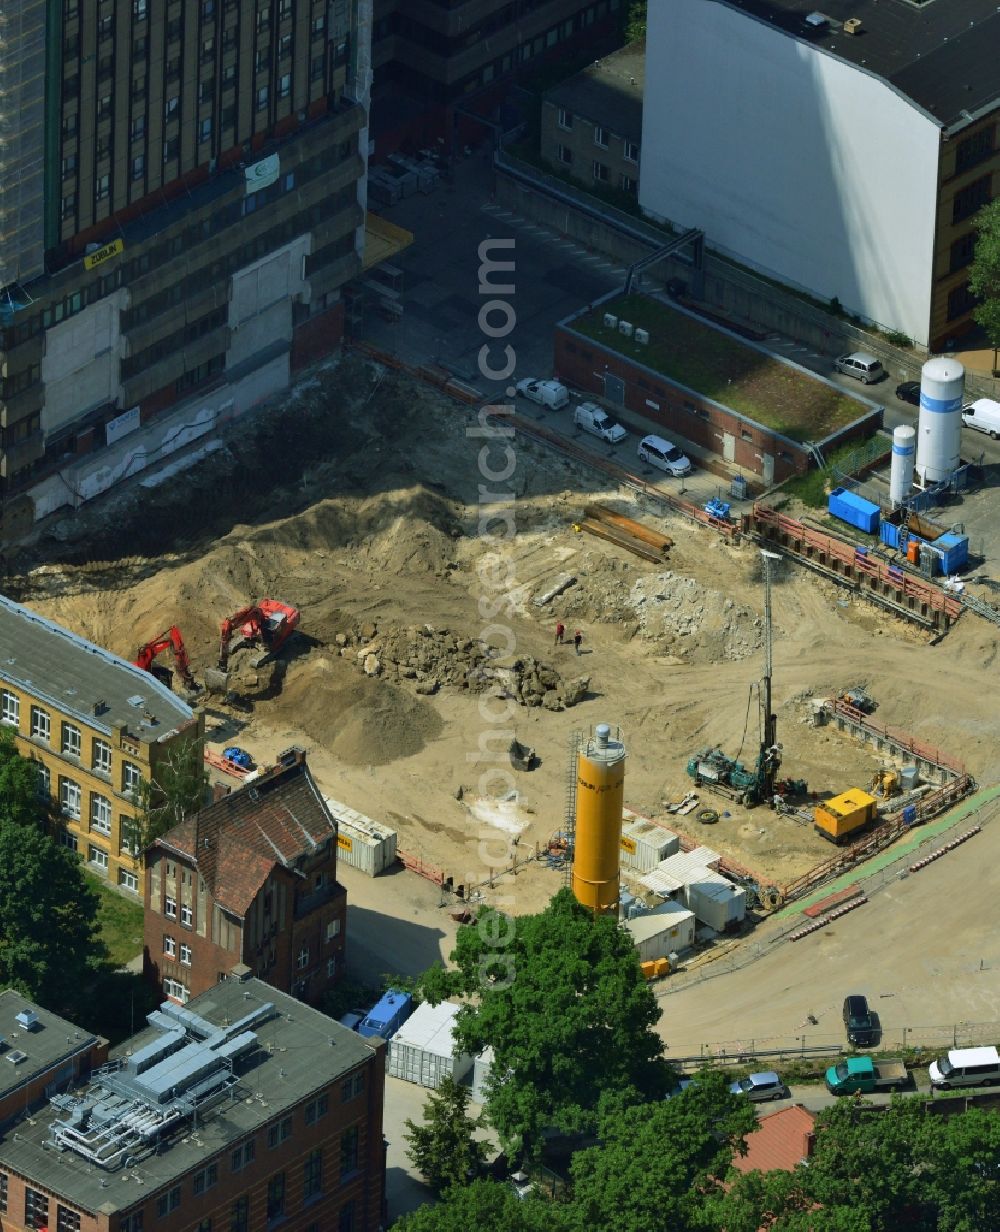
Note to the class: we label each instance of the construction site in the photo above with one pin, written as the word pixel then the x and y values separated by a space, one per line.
pixel 338 547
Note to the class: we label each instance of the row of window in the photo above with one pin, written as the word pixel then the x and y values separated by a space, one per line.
pixel 600 171
pixel 170 949
pixel 172 343
pixel 630 151
pixel 71 740
pixel 36 1209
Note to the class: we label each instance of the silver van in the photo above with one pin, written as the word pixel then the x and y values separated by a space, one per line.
pixel 966 1067
pixel 862 366
pixel 663 454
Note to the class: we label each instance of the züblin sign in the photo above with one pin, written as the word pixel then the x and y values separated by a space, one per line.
pixel 103 254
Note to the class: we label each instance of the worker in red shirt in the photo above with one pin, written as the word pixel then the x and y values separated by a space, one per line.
pixel 560 633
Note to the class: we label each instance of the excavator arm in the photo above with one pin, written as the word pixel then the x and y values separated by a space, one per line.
pixel 169 640
pixel 250 616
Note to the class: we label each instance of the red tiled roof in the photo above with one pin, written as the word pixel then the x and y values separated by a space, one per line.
pixel 236 841
pixel 780 1141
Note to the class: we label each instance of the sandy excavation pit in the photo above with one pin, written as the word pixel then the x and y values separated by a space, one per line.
pixel 373 535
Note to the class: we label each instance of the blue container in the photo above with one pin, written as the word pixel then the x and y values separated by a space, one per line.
pixel 717 509
pixel 954 552
pixel 854 510
pixel 388 1016
pixel 909 815
pixel 889 534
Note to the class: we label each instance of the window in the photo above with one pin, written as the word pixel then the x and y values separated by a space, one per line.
pixel 10 708
pixel 128 881
pixel 312 1175
pixel 600 137
pixel 279 1131
pixel 170 908
pixel 242 1156
pixel 352 1086
pixel 285 45
pixel 205 1225
pixel 566 155
pixel 345 1222
pixel 187 915
pixel 171 147
pixel 98 857
pixel 600 172
pixel 186 955
pixel 349 1151
pixel 960 301
pixel 65 838
pixel 276 1196
pixel 205 129
pixel 303 958
pixel 262 98
pixel 962 252
pixel 316 1108
pixel 171 106
pixel 331 968
pixel 36 1208
pixel 205 1179
pixel 68 166
pixel 131 777
pixel 100 757
pixel 316 68
pixel 169 946
pixel 44 781
pixel 971 199
pixel 103 187
pixel 974 149
pixel 40 724
pixel 104 106
pixel 3 1193
pixel 565 119
pixel 68 205
pixel 207 8
pixel 69 798
pixel 128 833
pixel 139 87
pixel 318 25
pixel 627 184
pixel 746 435
pixel 131 1223
pixel 67 1220
pixel 239 1215
pixel 176 990
pixel 168 1201
pixel 138 127
pixel 208 50
pixel 100 814
pixel 285 85
pixel 631 152
pixel 332 929
pixel 139 13
pixel 206 90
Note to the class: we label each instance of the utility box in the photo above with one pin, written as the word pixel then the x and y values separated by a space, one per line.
pixel 844 816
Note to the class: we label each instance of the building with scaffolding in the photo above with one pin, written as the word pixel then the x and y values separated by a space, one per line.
pixel 245 1109
pixel 182 201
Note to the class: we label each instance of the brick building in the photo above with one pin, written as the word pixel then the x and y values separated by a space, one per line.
pixel 97 726
pixel 43 1054
pixel 246 1110
pixel 183 196
pixel 251 879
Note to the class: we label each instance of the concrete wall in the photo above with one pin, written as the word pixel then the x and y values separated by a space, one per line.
pixel 791 160
pixel 80 365
pixel 260 305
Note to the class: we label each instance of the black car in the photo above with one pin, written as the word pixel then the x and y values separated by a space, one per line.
pixel 909 391
pixel 859 1021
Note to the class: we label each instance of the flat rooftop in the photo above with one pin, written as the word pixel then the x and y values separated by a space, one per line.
pixel 73 675
pixel 609 92
pixel 716 364
pixel 299 1051
pixel 52 1040
pixel 943 54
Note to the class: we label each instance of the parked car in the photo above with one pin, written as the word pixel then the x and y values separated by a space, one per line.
pixel 909 391
pixel 552 394
pixel 983 415
pixel 759 1087
pixel 663 454
pixel 590 417
pixel 864 367
pixel 859 1022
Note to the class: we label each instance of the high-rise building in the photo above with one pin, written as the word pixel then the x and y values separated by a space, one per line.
pixel 181 200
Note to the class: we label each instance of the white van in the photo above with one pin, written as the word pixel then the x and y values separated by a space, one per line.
pixel 983 415
pixel 661 453
pixel 590 417
pixel 546 393
pixel 966 1067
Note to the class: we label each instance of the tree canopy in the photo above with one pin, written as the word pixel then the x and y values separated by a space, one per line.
pixel 177 791
pixel 560 998
pixel 483 1206
pixel 984 273
pixel 444 1148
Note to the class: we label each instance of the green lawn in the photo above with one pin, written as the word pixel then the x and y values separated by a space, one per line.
pixel 120 921
pixel 710 362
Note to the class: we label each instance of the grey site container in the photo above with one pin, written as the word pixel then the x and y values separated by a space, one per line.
pixel 361 842
pixel 423 1050
pixel 644 844
pixel 481 1068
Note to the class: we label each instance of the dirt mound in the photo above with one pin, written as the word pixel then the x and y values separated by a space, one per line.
pixel 360 721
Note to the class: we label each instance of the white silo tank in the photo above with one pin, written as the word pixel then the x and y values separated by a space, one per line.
pixel 901 469
pixel 939 435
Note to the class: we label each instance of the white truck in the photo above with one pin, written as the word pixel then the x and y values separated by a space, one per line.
pixel 546 393
pixel 983 415
pixel 590 417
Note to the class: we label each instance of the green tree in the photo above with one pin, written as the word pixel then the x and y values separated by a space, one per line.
pixel 659 1165
pixel 961 1169
pixel 561 999
pixel 984 273
pixel 48 912
pixel 484 1206
pixel 177 791
pixel 634 27
pixel 444 1148
pixel 20 800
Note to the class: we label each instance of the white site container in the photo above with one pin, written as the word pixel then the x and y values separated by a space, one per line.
pixel 660 881
pixel 662 930
pixel 687 864
pixel 644 844
pixel 423 1049
pixel 481 1068
pixel 715 901
pixel 361 842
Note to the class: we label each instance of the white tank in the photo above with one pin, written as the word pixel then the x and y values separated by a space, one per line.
pixel 901 470
pixel 939 435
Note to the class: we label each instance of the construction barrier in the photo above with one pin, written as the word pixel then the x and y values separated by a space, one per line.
pixel 936 855
pixel 816 925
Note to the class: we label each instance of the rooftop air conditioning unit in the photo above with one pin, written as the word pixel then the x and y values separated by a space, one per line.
pixel 625 327
pixel 610 320
pixel 852 25
pixel 642 335
pixel 28 1019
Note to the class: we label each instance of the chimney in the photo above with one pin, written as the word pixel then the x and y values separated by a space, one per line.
pixel 808 1144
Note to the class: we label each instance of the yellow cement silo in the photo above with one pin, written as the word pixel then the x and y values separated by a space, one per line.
pixel 600 793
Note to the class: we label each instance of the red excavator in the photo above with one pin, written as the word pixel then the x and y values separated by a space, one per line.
pixel 169 640
pixel 268 622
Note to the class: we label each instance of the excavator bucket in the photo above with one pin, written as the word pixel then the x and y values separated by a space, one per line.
pixel 216 681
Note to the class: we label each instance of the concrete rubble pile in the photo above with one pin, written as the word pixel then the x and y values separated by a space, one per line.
pixel 433 658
